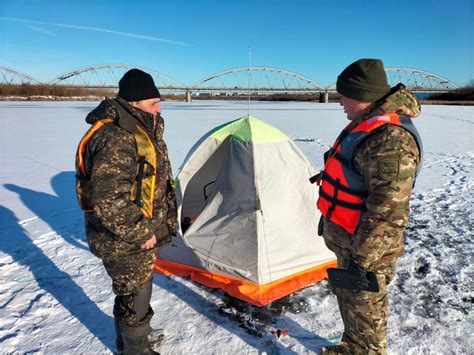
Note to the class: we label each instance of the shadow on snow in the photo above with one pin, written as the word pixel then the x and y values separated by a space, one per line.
pixel 61 212
pixel 15 242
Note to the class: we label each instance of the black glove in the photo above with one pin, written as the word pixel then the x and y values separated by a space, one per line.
pixel 355 277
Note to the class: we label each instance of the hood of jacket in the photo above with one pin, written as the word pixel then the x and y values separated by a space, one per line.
pixel 125 116
pixel 401 101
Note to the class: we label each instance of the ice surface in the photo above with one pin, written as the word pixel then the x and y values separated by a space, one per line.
pixel 55 297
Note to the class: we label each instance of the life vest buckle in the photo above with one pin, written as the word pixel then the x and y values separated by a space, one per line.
pixel 316 178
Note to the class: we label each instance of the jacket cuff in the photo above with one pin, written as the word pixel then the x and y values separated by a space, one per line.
pixel 143 237
pixel 162 236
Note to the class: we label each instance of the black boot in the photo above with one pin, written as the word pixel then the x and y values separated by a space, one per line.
pixel 118 338
pixel 137 346
pixel 155 339
pixel 136 314
pixel 342 348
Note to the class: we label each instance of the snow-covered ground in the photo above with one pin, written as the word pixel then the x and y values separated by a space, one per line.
pixel 55 297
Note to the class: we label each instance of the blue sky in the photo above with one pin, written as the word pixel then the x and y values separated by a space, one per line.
pixel 189 40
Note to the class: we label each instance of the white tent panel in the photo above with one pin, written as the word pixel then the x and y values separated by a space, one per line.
pixel 288 241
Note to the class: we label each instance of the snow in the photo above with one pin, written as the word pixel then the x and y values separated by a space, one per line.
pixel 55 296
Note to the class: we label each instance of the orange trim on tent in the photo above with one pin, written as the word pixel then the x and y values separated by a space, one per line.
pixel 259 295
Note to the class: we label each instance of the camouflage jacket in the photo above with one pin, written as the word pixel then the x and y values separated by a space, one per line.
pixel 379 237
pixel 116 226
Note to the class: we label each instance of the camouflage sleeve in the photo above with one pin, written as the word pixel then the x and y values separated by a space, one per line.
pixel 113 173
pixel 388 162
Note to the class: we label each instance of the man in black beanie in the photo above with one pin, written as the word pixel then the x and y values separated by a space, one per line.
pixel 364 194
pixel 124 185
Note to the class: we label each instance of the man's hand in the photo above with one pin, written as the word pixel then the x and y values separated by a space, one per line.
pixel 150 243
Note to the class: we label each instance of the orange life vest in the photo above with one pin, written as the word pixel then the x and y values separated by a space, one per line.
pixel 342 190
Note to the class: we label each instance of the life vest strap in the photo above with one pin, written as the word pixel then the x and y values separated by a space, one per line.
pixel 315 178
pixel 345 204
pixel 343 188
pixel 139 179
pixel 334 199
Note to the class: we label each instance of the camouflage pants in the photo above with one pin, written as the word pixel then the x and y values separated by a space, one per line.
pixel 365 314
pixel 131 281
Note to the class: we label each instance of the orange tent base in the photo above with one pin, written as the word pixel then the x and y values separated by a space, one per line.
pixel 259 295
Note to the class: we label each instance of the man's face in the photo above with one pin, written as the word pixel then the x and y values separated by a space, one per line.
pixel 151 106
pixel 354 109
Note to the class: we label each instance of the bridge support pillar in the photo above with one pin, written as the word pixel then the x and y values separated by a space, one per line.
pixel 188 96
pixel 324 97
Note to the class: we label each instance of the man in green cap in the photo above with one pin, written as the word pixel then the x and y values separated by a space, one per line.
pixel 365 189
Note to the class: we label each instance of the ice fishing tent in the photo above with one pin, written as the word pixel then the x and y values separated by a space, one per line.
pixel 248 213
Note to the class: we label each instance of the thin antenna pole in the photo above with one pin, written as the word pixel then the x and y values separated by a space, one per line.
pixel 248 84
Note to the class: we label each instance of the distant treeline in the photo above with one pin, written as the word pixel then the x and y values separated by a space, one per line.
pixel 55 92
pixel 463 94
pixel 42 92
pixel 52 92
pixel 271 97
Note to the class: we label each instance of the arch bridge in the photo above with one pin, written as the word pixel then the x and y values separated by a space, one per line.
pixel 108 75
pixel 257 80
pixel 233 82
pixel 10 76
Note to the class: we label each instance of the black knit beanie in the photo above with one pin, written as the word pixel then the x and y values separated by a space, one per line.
pixel 364 80
pixel 136 85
